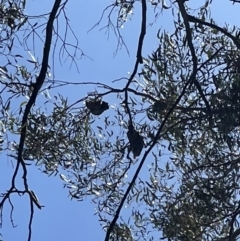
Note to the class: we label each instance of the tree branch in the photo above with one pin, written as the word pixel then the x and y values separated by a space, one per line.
pixel 194 57
pixel 139 60
pixel 37 86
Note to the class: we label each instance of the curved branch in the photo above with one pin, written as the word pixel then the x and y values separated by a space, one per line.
pixel 211 25
pixel 139 55
pixel 37 86
pixel 194 57
pixel 139 60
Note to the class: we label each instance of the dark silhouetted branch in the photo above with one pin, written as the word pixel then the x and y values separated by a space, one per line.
pixel 37 86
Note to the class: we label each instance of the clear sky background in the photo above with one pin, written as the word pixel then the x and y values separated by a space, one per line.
pixel 63 219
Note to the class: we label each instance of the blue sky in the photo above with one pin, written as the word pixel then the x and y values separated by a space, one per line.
pixel 63 219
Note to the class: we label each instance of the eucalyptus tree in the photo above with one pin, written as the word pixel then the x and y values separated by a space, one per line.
pixel 180 101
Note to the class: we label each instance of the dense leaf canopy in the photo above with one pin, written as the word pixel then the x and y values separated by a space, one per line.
pixel 176 119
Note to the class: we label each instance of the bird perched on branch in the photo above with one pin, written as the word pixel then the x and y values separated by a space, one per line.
pixel 97 107
pixel 135 140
